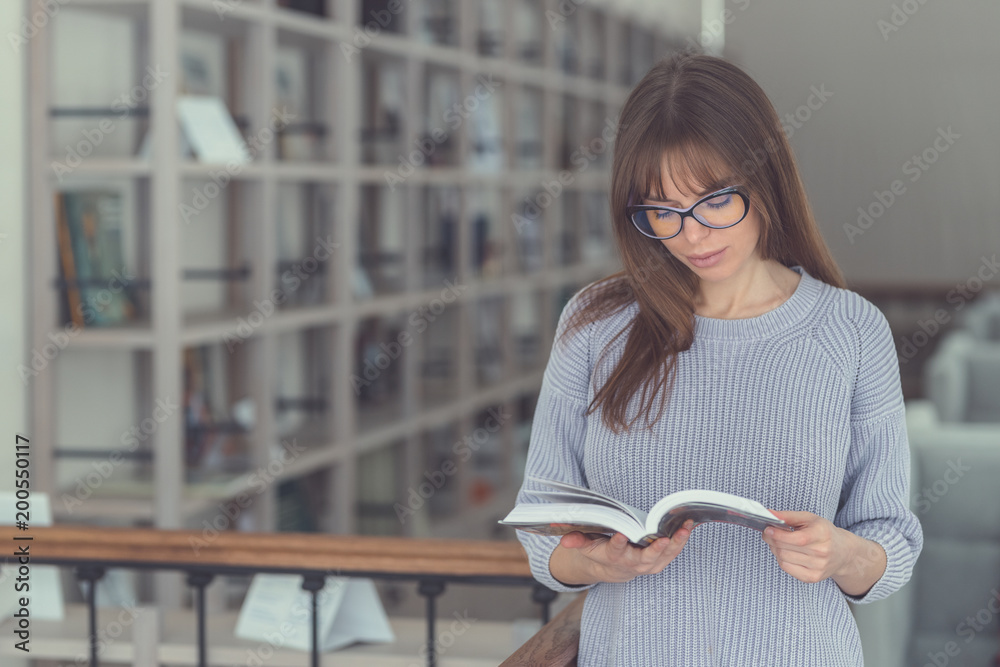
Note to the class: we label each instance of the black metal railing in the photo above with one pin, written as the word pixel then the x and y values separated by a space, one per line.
pixel 432 564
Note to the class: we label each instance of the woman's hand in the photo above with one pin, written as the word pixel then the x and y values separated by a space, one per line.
pixel 815 550
pixel 614 559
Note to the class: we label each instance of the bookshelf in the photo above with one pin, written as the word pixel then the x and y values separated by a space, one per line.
pixel 396 199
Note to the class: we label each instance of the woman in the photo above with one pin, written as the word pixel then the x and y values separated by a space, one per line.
pixel 727 356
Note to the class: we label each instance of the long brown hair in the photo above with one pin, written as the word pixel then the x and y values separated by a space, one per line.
pixel 710 118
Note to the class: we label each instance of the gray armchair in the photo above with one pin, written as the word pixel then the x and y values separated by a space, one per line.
pixel 949 611
pixel 962 379
pixel 982 319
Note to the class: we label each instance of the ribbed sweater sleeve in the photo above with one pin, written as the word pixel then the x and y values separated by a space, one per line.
pixel 874 501
pixel 558 430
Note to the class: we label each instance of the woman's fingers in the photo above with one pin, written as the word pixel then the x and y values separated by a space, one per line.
pixel 663 551
pixel 623 561
pixel 680 538
pixel 796 558
pixel 618 545
pixel 669 547
pixel 574 540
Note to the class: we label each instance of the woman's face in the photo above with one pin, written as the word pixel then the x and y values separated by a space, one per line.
pixel 712 254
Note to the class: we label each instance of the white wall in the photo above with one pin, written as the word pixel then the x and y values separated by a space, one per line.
pixel 13 242
pixel 13 248
pixel 889 97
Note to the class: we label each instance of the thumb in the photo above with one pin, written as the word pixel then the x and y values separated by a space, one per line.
pixel 793 518
pixel 574 540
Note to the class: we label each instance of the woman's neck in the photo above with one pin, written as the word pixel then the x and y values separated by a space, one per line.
pixel 756 288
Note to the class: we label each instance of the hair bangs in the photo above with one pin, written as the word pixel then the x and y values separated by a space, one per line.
pixel 693 167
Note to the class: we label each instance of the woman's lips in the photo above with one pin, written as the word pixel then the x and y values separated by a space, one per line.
pixel 705 261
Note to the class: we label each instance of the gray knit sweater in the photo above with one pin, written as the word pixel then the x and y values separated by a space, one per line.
pixel 800 409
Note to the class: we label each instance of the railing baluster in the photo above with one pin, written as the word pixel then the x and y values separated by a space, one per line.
pixel 543 596
pixel 314 583
pixel 312 557
pixel 431 588
pixel 199 580
pixel 91 574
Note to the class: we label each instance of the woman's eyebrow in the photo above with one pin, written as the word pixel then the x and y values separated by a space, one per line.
pixel 712 187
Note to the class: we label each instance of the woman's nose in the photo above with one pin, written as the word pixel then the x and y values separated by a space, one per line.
pixel 694 232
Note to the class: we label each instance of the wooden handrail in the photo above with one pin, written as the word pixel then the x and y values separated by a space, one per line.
pixel 272 552
pixel 556 644
pixel 351 555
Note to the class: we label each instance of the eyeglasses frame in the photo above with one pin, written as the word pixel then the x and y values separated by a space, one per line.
pixel 689 211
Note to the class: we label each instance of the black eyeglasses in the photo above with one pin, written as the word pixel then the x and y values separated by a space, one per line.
pixel 718 210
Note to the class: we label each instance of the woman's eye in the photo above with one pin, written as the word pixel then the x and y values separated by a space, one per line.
pixel 719 202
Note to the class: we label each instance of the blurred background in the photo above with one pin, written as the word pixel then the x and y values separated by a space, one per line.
pixel 295 265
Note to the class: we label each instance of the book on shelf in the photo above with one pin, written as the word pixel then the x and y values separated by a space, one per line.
pixel 205 60
pixel 316 7
pixel 386 12
pixel 301 504
pixel 439 245
pixel 528 29
pixel 485 468
pixel 442 92
pixel 292 68
pixel 445 472
pixel 304 215
pixel 592 33
pixel 384 108
pixel 486 136
pixel 212 443
pixel 530 239
pixel 361 283
pixel 571 508
pixel 378 475
pixel 486 247
pixel 91 260
pixel 436 23
pixel 72 312
pixel 566 41
pixel 528 127
pixel 490 29
pixel 211 131
pixel 594 240
pixel 489 331
pixel 525 323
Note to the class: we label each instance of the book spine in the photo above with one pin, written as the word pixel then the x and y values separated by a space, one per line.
pixel 65 241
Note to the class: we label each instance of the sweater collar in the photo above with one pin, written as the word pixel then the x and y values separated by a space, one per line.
pixel 788 313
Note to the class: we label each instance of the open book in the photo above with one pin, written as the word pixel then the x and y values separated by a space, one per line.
pixel 573 508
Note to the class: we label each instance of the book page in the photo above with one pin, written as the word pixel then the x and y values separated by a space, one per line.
pixel 719 498
pixel 670 522
pixel 593 496
pixel 590 530
pixel 561 518
pixel 574 497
